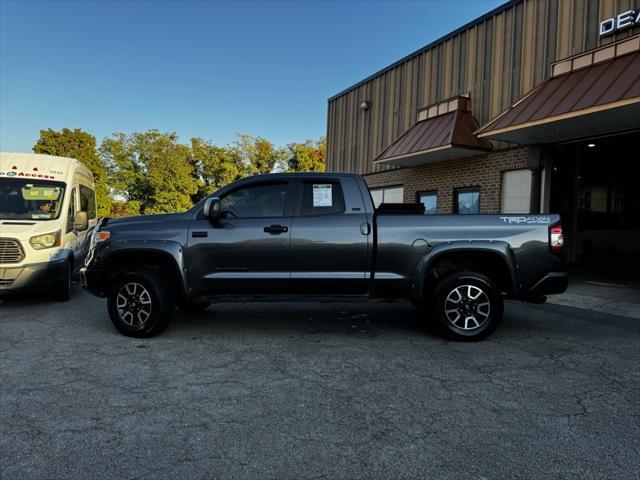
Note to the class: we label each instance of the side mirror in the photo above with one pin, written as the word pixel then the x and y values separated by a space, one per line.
pixel 212 208
pixel 80 221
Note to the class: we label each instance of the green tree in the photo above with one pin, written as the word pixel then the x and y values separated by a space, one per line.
pixel 213 166
pixel 151 168
pixel 258 154
pixel 81 146
pixel 120 208
pixel 309 156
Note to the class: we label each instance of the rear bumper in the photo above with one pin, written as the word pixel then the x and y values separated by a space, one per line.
pixel 36 277
pixel 91 279
pixel 551 283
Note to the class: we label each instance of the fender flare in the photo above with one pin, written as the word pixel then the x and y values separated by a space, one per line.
pixel 502 249
pixel 172 250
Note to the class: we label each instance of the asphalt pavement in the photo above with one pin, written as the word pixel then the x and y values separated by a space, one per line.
pixel 314 390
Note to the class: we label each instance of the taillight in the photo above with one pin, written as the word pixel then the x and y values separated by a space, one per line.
pixel 556 239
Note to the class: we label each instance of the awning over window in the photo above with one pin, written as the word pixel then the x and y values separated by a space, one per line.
pixel 442 137
pixel 598 99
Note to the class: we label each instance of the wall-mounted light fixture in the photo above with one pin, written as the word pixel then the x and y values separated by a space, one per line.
pixel 364 105
pixel 591 145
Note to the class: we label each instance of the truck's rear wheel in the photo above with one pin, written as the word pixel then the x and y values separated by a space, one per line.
pixel 467 306
pixel 141 303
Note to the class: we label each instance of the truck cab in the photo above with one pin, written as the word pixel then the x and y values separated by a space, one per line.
pixel 47 213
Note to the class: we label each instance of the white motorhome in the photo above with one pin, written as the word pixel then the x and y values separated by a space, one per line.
pixel 47 214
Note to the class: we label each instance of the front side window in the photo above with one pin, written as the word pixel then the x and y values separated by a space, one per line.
pixel 88 201
pixel 72 210
pixel 467 201
pixel 430 202
pixel 22 199
pixel 322 198
pixel 255 201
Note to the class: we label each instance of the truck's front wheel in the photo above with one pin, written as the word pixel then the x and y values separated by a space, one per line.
pixel 467 306
pixel 141 303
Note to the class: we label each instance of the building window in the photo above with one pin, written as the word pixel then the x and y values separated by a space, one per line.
pixel 467 201
pixel 516 191
pixel 430 202
pixel 387 195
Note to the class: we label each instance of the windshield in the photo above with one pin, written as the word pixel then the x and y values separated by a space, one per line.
pixel 22 199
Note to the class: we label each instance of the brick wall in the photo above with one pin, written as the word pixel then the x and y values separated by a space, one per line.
pixel 484 171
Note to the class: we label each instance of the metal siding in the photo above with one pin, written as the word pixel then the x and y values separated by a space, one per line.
pixel 497 59
pixel 516 59
pixel 478 74
pixel 551 35
pixel 487 80
pixel 462 63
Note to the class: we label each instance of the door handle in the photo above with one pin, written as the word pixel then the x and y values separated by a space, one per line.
pixel 199 234
pixel 276 229
pixel 365 228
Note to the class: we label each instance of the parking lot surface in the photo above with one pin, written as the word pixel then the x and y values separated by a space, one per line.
pixel 313 390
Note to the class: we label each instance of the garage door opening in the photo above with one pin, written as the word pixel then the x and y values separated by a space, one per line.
pixel 595 186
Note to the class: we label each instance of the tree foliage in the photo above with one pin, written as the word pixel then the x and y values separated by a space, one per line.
pixel 152 172
pixel 214 167
pixel 151 168
pixel 309 156
pixel 258 154
pixel 81 146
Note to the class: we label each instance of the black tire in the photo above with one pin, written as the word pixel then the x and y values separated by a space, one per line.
pixel 141 303
pixel 62 291
pixel 467 306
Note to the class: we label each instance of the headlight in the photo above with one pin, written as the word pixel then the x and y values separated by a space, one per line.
pixel 47 240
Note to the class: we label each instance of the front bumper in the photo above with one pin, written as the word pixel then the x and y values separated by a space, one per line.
pixel 32 277
pixel 551 283
pixel 91 279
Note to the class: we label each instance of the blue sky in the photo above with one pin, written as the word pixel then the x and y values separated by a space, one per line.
pixel 207 69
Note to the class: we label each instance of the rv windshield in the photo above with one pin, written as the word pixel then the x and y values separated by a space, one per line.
pixel 22 199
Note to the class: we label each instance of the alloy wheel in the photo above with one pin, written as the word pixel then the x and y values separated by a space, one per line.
pixel 133 303
pixel 467 307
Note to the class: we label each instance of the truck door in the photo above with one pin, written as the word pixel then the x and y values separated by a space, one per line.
pixel 247 250
pixel 330 238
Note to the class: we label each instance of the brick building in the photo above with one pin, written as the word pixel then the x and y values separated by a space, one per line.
pixel 533 107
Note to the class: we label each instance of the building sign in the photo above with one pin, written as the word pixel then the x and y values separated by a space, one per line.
pixel 622 21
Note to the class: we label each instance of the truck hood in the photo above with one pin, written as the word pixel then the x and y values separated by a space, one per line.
pixel 143 219
pixel 169 226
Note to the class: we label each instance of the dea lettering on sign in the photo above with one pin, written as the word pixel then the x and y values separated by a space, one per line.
pixel 621 21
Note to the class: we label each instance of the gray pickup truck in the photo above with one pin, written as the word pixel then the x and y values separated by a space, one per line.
pixel 318 235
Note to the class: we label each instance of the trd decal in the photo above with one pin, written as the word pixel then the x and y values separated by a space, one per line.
pixel 526 220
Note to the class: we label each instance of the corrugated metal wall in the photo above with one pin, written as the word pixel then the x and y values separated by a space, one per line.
pixel 497 60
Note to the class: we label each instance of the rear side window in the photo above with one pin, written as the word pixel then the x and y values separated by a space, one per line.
pixel 322 198
pixel 88 201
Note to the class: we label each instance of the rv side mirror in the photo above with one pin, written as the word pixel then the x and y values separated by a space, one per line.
pixel 212 208
pixel 80 221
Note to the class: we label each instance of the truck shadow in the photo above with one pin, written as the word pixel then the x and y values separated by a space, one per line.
pixel 310 318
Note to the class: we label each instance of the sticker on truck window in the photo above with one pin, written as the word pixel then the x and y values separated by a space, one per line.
pixel 322 195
